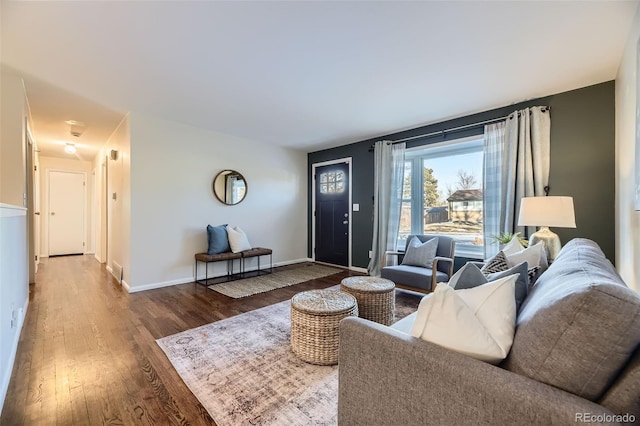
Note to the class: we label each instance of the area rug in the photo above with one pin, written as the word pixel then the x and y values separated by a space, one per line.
pixel 262 283
pixel 243 372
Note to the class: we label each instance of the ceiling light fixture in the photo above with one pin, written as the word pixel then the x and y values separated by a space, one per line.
pixel 70 148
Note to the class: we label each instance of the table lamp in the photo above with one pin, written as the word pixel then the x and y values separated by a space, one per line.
pixel 545 212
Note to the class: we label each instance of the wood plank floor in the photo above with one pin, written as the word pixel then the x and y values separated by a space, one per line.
pixel 87 353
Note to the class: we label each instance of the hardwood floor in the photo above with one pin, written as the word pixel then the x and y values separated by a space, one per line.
pixel 87 352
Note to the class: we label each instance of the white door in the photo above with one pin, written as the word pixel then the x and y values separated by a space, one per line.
pixel 66 213
pixel 36 208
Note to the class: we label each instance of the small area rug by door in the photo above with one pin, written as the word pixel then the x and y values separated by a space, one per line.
pixel 262 283
pixel 243 372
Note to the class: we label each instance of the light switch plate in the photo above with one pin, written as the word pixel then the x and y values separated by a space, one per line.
pixel 356 207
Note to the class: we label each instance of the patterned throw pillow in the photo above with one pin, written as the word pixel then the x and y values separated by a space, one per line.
pixel 496 264
pixel 500 263
pixel 419 253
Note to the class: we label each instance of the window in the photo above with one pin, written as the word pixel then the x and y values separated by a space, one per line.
pixel 442 194
pixel 332 182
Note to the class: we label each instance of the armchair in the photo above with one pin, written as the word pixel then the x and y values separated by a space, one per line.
pixel 419 277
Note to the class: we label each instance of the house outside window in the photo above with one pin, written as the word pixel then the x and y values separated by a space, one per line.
pixel 442 194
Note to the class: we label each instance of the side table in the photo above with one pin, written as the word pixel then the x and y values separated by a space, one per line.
pixel 376 297
pixel 315 324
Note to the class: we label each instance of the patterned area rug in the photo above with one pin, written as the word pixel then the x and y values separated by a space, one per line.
pixel 243 372
pixel 262 283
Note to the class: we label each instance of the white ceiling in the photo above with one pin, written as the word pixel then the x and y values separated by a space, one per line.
pixel 306 74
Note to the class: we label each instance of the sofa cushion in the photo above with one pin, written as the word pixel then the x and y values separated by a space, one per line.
pixel 218 241
pixel 579 325
pixel 624 396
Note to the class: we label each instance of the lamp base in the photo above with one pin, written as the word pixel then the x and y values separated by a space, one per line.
pixel 550 242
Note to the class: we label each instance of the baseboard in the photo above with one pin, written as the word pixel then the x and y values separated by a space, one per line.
pixel 109 270
pixel 358 269
pixel 126 286
pixel 192 278
pixel 12 359
pixel 98 258
pixel 157 285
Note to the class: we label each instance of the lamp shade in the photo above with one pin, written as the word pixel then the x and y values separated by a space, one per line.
pixel 547 211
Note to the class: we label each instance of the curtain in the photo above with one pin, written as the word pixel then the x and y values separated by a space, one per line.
pixel 388 175
pixel 494 139
pixel 524 172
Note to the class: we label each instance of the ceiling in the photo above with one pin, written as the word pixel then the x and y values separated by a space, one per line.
pixel 305 74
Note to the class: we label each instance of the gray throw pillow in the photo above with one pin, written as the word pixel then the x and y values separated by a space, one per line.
pixel 469 276
pixel 522 282
pixel 419 253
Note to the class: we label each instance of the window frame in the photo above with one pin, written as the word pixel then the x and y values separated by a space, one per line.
pixel 417 156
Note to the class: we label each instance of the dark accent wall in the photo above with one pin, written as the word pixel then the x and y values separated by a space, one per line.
pixel 582 164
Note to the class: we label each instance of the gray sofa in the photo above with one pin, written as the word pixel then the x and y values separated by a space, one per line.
pixel 575 356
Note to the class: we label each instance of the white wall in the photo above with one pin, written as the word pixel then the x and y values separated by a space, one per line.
pixel 48 164
pixel 14 289
pixel 172 201
pixel 627 163
pixel 12 136
pixel 114 215
pixel 14 270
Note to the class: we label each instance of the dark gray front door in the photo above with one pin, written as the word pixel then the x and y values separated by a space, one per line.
pixel 332 214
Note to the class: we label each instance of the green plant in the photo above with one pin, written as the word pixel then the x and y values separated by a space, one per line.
pixel 505 237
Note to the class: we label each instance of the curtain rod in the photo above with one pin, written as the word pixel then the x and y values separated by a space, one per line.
pixel 453 129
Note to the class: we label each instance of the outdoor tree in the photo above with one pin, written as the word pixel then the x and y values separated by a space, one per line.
pixel 431 193
pixel 466 180
pixel 430 189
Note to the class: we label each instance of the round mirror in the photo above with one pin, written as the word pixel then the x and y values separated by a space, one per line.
pixel 229 187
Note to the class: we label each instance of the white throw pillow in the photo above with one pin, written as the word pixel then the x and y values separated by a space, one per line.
pixel 534 255
pixel 512 247
pixel 237 239
pixel 479 322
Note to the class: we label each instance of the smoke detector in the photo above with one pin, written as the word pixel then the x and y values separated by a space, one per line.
pixel 76 128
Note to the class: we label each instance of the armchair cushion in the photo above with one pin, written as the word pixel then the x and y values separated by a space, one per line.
pixel 419 253
pixel 413 276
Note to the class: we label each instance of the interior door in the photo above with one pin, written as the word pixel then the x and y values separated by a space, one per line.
pixel 332 214
pixel 36 209
pixel 66 213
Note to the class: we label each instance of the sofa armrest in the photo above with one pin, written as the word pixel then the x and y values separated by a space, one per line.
pixel 388 377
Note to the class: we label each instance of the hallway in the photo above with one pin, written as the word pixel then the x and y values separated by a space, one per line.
pixel 87 352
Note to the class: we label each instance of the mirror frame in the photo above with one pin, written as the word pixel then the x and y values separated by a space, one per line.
pixel 221 181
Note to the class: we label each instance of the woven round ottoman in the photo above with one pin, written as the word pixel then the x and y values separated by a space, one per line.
pixel 315 324
pixel 376 297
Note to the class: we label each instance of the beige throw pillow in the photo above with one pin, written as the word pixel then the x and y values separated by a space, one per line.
pixel 479 322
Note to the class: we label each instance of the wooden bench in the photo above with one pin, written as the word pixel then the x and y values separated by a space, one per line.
pixel 229 257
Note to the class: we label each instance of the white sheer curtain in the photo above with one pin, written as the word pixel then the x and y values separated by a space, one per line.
pixel 524 172
pixel 494 141
pixel 388 174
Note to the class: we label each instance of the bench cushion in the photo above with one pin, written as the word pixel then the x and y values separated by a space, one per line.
pixel 204 257
pixel 256 251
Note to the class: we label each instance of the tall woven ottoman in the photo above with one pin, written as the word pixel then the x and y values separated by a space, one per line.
pixel 376 297
pixel 315 324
